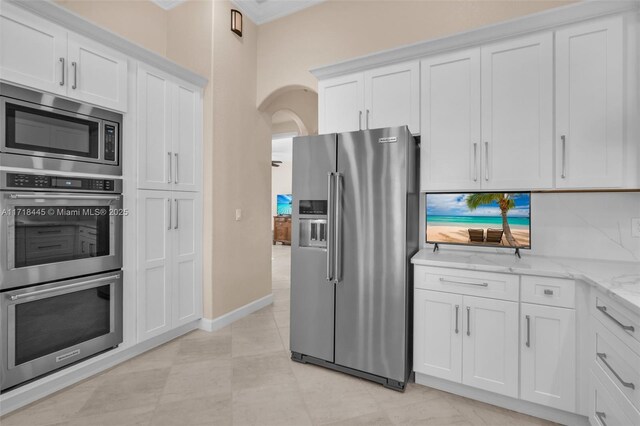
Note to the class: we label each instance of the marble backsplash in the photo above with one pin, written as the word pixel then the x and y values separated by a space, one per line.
pixel 581 225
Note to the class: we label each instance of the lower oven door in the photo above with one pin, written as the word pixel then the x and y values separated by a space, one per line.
pixel 50 326
pixel 54 236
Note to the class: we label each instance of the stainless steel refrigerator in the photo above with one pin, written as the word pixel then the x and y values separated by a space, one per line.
pixel 355 228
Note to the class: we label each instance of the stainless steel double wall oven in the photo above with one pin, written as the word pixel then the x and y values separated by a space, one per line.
pixel 61 216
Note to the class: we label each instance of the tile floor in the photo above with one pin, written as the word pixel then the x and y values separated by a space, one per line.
pixel 242 375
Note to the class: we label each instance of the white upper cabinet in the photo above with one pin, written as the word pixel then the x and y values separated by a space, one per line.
pixel 392 96
pixel 33 51
pixel 517 113
pixel 383 97
pixel 589 105
pixel 155 158
pixel 187 128
pixel 97 74
pixel 169 132
pixel 450 142
pixel 341 104
pixel 40 55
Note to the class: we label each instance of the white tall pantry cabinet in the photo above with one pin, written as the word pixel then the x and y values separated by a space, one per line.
pixel 169 202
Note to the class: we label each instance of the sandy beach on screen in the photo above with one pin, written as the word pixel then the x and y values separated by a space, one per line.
pixel 460 234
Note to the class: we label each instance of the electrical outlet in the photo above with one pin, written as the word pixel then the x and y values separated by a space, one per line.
pixel 238 214
pixel 635 227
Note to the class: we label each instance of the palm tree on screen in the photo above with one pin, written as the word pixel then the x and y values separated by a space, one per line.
pixel 505 202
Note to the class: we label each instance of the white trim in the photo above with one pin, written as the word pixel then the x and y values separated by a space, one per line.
pixel 230 317
pixel 525 407
pixel 167 4
pixel 73 22
pixel 38 389
pixel 545 20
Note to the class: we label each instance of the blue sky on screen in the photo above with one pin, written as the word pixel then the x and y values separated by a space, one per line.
pixel 284 198
pixel 455 205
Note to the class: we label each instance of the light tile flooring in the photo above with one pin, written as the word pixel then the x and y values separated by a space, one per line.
pixel 242 375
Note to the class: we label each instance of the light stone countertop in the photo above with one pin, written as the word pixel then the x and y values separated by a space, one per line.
pixel 619 280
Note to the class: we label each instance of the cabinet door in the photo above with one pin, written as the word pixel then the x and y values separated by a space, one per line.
pixel 589 91
pixel 548 356
pixel 97 74
pixel 155 157
pixel 490 355
pixel 517 113
pixel 392 96
pixel 154 263
pixel 32 51
pixel 437 334
pixel 341 104
pixel 450 153
pixel 187 137
pixel 187 279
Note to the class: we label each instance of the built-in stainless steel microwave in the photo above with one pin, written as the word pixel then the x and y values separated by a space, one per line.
pixel 45 132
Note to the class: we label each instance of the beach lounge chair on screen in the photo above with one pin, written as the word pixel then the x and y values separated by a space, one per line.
pixel 494 236
pixel 476 235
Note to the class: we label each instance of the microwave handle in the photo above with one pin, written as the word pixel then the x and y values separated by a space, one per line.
pixel 64 287
pixel 63 197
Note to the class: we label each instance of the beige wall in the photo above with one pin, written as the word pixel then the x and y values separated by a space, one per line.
pixel 141 22
pixel 241 170
pixel 342 29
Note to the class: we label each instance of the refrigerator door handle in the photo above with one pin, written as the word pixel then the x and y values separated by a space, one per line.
pixel 329 226
pixel 338 229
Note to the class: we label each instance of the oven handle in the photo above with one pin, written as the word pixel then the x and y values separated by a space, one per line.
pixel 64 287
pixel 63 197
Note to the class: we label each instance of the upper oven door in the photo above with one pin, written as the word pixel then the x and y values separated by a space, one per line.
pixel 51 236
pixel 42 131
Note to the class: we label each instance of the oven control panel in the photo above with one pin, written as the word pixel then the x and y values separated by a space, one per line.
pixel 48 182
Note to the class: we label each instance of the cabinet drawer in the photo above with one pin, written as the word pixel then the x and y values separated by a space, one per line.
pixel 617 319
pixel 474 283
pixel 549 291
pixel 619 363
pixel 605 407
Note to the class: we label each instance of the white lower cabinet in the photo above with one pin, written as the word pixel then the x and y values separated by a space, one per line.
pixel 466 339
pixel 438 334
pixel 548 354
pixel 169 280
pixel 490 355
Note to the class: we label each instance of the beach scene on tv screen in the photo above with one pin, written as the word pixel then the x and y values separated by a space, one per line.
pixel 499 219
pixel 284 202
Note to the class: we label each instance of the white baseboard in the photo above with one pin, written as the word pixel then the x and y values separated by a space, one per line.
pixel 230 317
pixel 525 407
pixel 38 389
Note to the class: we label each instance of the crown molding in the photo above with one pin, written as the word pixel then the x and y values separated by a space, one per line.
pixel 546 20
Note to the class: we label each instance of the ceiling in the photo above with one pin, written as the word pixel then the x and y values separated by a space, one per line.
pixel 262 11
pixel 259 11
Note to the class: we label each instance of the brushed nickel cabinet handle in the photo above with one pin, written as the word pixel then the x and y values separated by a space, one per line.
pixel 170 220
pixel 62 77
pixel 75 75
pixel 457 312
pixel 601 415
pixel 468 321
pixel 486 157
pixel 170 167
pixel 603 358
pixel 177 215
pixel 603 309
pixel 563 138
pixel 528 343
pixel 175 180
pixel 444 281
pixel 475 161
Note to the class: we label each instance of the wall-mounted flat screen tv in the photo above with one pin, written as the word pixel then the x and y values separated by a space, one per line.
pixel 480 219
pixel 284 202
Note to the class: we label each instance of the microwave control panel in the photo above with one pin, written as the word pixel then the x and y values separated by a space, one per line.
pixel 110 142
pixel 45 182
